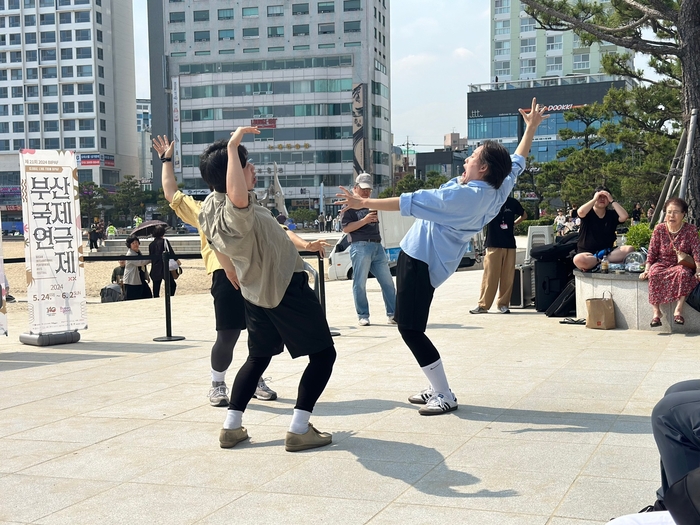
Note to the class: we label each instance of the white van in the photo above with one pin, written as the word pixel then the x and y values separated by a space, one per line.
pixel 392 227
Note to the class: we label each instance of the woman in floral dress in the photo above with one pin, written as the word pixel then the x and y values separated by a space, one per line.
pixel 668 280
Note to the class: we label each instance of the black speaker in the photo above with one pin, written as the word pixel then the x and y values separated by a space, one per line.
pixel 550 280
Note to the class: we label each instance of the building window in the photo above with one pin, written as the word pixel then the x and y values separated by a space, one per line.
pixel 554 64
pixel 502 27
pixel 65 18
pixel 18 144
pixel 351 27
pixel 502 48
pixel 351 5
pixel 69 125
pixel 87 124
pixel 103 125
pixel 251 49
pixel 69 143
pixel 103 142
pixel 15 74
pixel 52 143
pixel 250 12
pixel 528 45
pixel 98 17
pixel 353 44
pixel 17 92
pixel 502 68
pixel 501 7
pixel 582 61
pixel 66 71
pixel 67 90
pixel 528 66
pixel 4 145
pixel 225 34
pixel 178 54
pixel 34 126
pixel 14 21
pixel 47 19
pixel 29 38
pixel 300 30
pixel 47 55
pixel 49 72
pixel 101 89
pixel 302 48
pixel 69 107
pixel 227 51
pixel 32 73
pixel 84 71
pixel 527 24
pixel 87 142
pixel 201 16
pixel 67 53
pixel 275 31
pixel 29 20
pixel 100 71
pixel 30 55
pixel 225 14
pixel 554 42
pixel 98 35
pixel 18 127
pixel 82 35
pixel 251 32
pixel 300 9
pixel 17 109
pixel 66 36
pixel 3 91
pixel 103 107
pixel 326 7
pixel 177 38
pixel 84 89
pixel 275 49
pixel 47 37
pixel 82 16
pixel 326 29
pixel 275 10
pixel 51 125
pixel 100 54
pixel 83 52
pixel 326 46
pixel 86 106
pixel 201 36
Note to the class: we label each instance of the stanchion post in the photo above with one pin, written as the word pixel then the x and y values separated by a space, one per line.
pixel 168 318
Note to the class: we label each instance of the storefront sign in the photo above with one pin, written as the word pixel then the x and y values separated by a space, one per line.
pixel 53 250
pixel 86 159
pixel 264 123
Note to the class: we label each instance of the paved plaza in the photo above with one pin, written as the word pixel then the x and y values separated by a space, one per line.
pixel 552 427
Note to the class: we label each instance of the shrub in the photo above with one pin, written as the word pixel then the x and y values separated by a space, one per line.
pixel 639 236
pixel 521 229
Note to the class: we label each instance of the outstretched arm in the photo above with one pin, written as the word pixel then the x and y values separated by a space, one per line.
pixel 307 246
pixel 532 119
pixel 165 148
pixel 236 186
pixel 352 201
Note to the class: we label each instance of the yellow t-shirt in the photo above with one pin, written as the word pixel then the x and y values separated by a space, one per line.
pixel 188 210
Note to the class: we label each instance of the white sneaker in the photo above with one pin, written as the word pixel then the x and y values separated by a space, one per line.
pixel 439 404
pixel 422 397
pixel 364 321
pixel 390 319
pixel 218 395
pixel 504 309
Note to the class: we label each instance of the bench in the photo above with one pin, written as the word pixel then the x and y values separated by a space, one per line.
pixel 631 298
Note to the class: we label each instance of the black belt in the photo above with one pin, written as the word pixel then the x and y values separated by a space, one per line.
pixel 370 240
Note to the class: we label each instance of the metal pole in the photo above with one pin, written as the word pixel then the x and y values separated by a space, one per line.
pixel 688 152
pixel 168 318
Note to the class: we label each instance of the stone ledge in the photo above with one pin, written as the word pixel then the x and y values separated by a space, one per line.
pixel 631 298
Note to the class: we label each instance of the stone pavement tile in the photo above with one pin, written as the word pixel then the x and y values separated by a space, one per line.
pixel 421 515
pixel 216 468
pixel 29 391
pixel 612 363
pixel 400 448
pixel 25 417
pixel 463 423
pixel 532 427
pixel 170 434
pixel 500 490
pixel 81 429
pixel 258 507
pixel 28 498
pixel 536 456
pixel 572 407
pixel 589 391
pixel 599 498
pixel 360 479
pixel 631 431
pixel 600 377
pixel 509 373
pixel 624 462
pixel 103 462
pixel 641 408
pixel 217 415
pixel 17 454
pixel 569 521
pixel 136 503
pixel 689 364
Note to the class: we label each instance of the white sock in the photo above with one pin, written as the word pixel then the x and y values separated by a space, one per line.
pixel 234 419
pixel 435 373
pixel 300 422
pixel 218 377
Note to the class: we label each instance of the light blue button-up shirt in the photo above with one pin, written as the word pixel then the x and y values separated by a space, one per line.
pixel 449 217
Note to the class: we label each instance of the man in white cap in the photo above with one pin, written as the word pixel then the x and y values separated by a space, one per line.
pixel 367 253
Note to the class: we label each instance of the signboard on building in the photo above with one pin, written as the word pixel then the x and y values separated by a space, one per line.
pixel 196 192
pixel 87 159
pixel 3 307
pixel 53 250
pixel 264 123
pixel 177 156
pixel 359 139
pixel 108 160
pixel 529 196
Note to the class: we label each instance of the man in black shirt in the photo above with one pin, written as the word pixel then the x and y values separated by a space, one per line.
pixel 598 231
pixel 367 254
pixel 499 263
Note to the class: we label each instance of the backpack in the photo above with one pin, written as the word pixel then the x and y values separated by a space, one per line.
pixel 111 293
pixel 556 251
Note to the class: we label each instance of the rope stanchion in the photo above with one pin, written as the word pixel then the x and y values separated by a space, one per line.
pixel 168 317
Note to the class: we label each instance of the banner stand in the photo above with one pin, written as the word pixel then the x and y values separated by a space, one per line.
pixel 54 338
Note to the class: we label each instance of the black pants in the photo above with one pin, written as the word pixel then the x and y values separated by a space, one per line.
pixel 156 286
pixel 93 243
pixel 675 422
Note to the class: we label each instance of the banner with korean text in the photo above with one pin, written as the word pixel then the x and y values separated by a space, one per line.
pixel 3 308
pixel 53 246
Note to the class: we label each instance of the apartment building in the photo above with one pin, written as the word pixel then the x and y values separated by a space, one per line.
pixel 67 82
pixel 313 76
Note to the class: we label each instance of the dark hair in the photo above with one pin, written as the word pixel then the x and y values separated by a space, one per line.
pixel 497 158
pixel 600 188
pixel 130 239
pixel 213 163
pixel 678 202
pixel 158 232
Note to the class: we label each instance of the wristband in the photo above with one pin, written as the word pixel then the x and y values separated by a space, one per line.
pixel 166 159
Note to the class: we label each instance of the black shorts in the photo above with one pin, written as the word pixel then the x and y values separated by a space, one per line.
pixel 414 293
pixel 229 306
pixel 298 323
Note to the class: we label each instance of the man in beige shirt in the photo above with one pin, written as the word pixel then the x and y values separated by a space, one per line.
pixel 281 309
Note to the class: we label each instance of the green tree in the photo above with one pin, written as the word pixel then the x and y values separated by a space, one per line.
pixel 302 215
pixel 129 198
pixel 92 199
pixel 435 179
pixel 673 50
pixel 407 184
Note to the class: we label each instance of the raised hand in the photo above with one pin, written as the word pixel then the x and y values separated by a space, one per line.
pixel 536 114
pixel 163 146
pixel 237 136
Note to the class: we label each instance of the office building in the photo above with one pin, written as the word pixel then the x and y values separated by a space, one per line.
pixel 313 76
pixel 144 137
pixel 520 51
pixel 67 82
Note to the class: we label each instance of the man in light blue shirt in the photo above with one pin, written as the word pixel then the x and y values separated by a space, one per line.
pixel 447 219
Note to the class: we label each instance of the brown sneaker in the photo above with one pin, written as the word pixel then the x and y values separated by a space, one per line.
pixel 311 439
pixel 230 438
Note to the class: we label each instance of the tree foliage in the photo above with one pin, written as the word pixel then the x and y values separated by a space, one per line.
pixel 673 52
pixel 92 199
pixel 129 198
